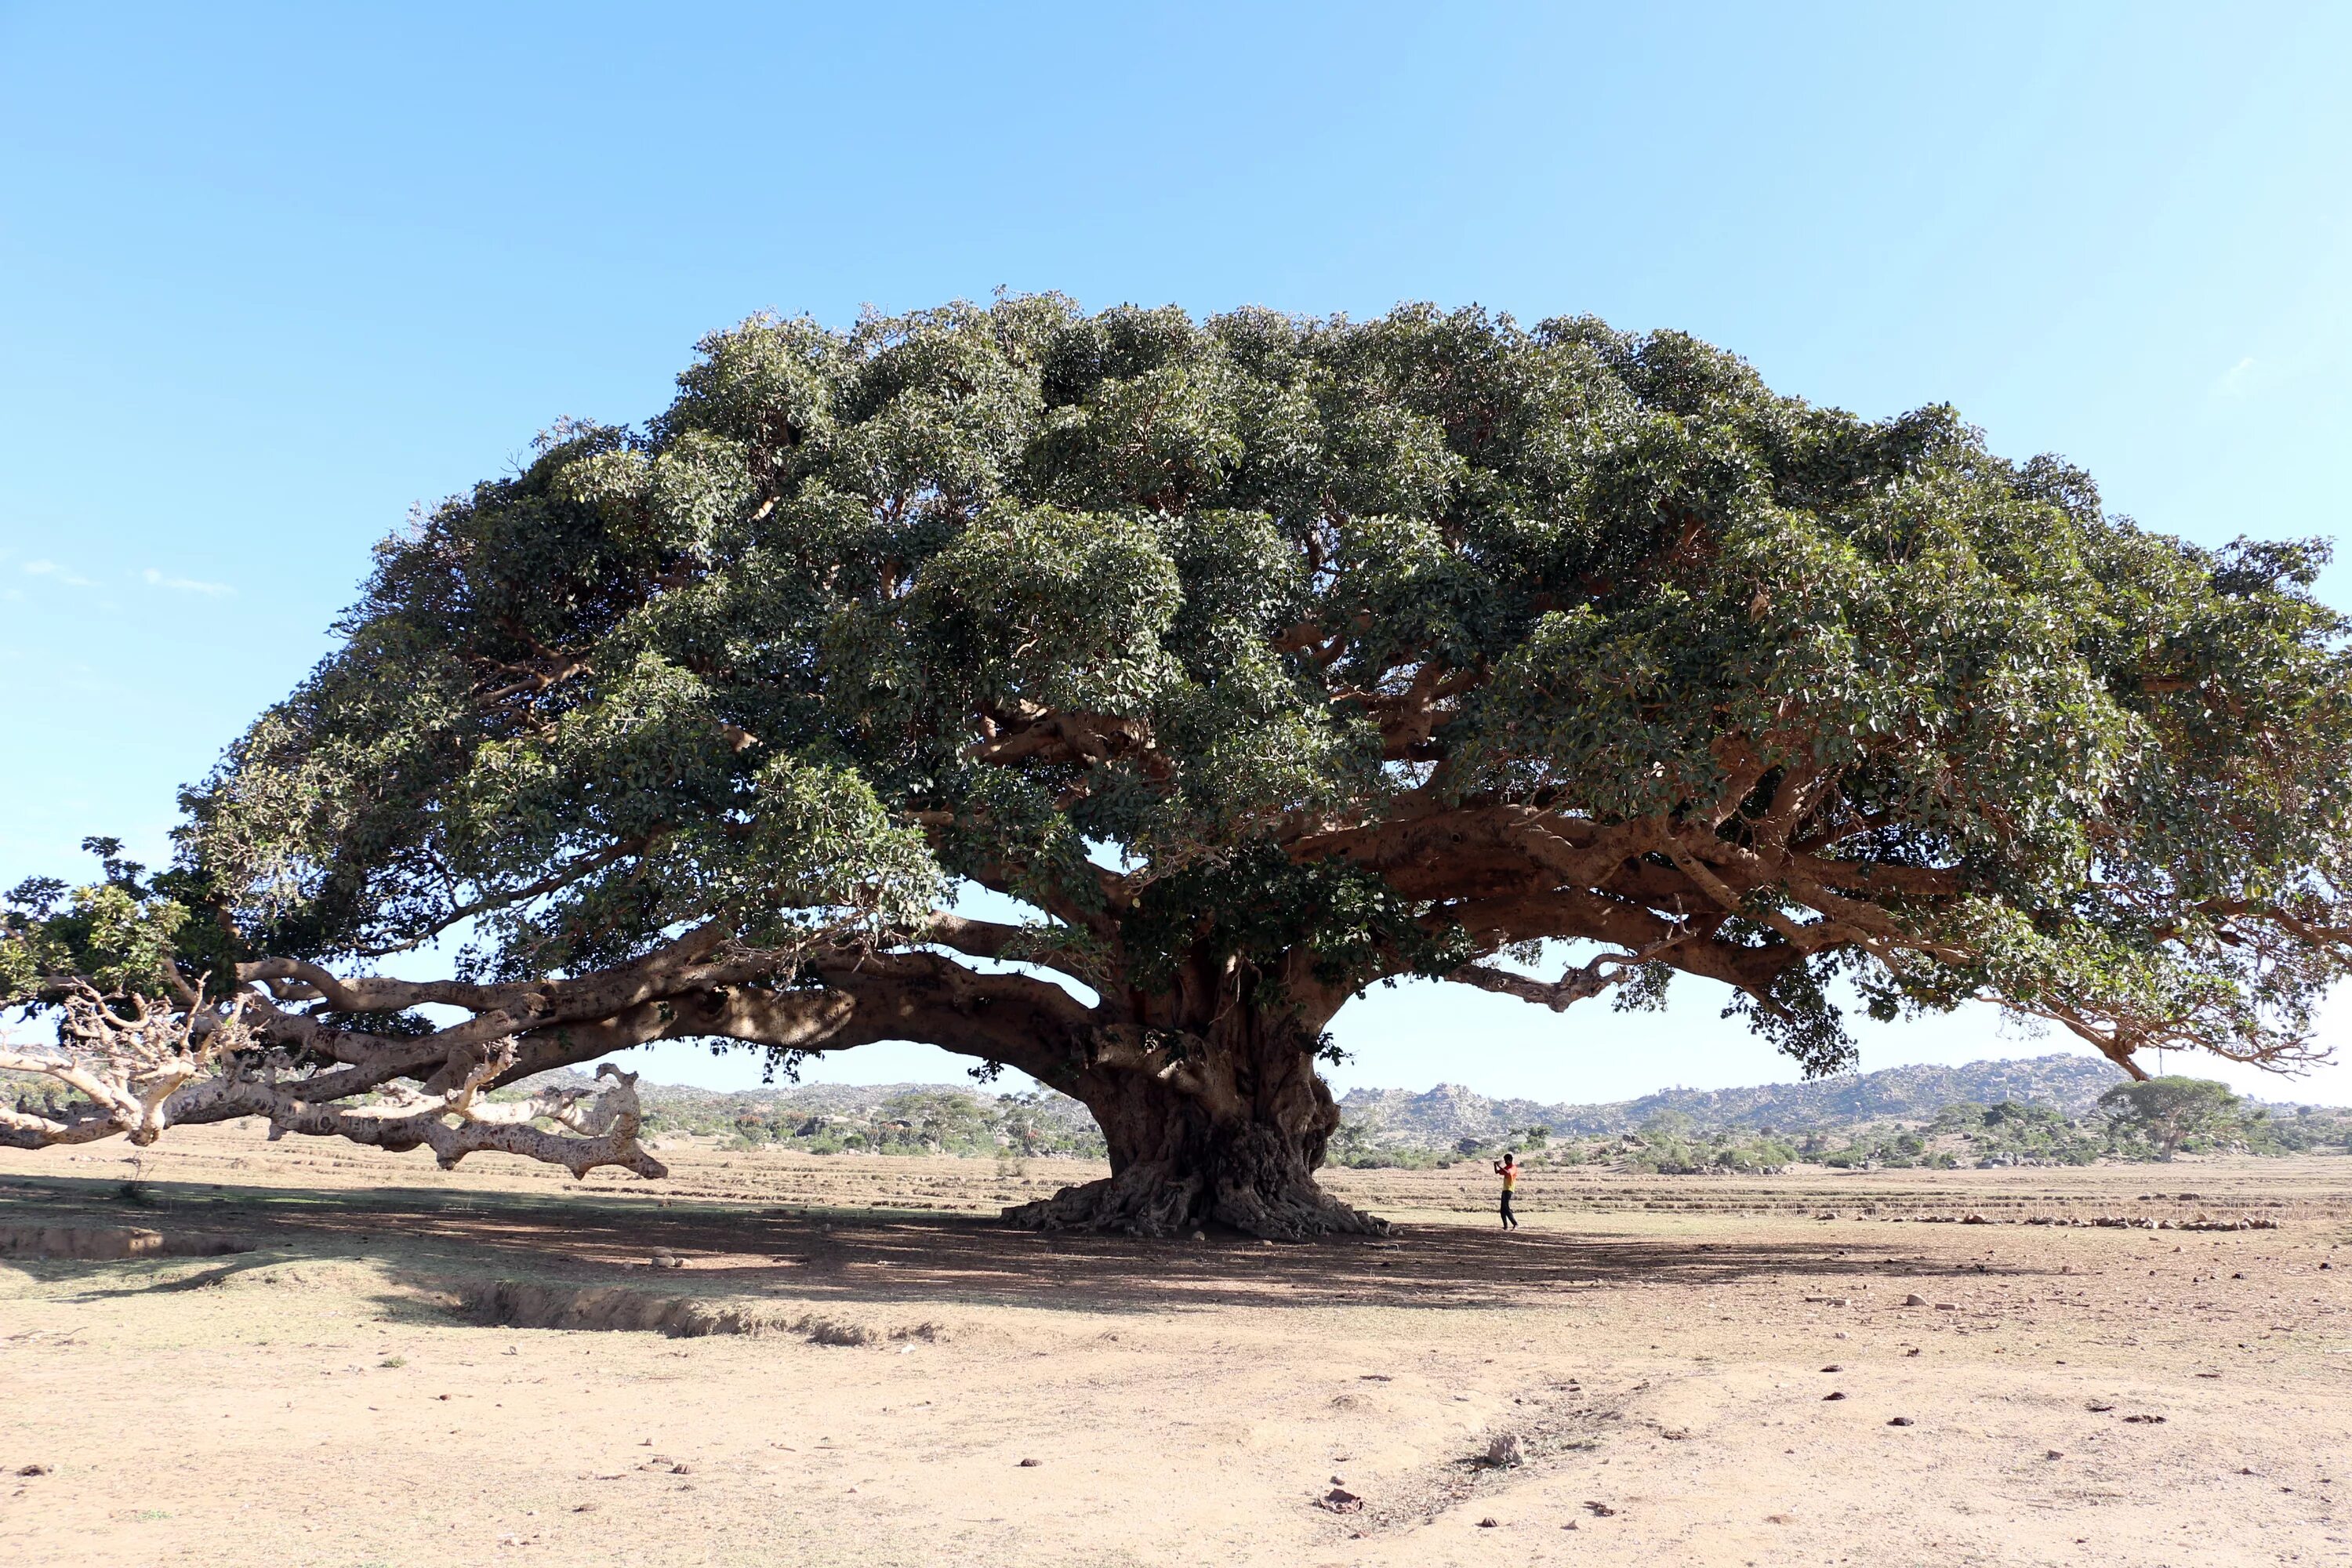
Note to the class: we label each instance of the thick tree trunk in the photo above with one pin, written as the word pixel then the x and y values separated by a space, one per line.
pixel 1228 1130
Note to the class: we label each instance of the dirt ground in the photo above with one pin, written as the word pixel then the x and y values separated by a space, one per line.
pixel 1698 1370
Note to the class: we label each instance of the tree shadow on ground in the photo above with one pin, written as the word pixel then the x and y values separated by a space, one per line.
pixel 930 1259
pixel 220 1274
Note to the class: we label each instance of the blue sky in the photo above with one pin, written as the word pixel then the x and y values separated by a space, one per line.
pixel 270 276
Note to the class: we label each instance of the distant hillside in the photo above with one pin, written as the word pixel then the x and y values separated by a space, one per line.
pixel 2069 1085
pixel 864 1115
pixel 892 1118
pixel 804 1099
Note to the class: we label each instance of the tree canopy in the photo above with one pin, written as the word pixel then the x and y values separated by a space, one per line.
pixel 1265 658
pixel 2169 1110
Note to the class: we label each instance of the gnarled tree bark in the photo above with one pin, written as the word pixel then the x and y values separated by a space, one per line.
pixel 1217 1119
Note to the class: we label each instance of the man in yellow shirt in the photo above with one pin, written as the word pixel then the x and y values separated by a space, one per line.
pixel 1507 1167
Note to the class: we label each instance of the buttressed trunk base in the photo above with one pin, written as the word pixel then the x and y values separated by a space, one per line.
pixel 1231 1135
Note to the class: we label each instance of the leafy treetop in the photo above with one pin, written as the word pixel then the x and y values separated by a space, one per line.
pixel 1404 645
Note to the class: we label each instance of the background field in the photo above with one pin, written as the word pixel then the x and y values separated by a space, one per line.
pixel 2037 1111
pixel 341 1394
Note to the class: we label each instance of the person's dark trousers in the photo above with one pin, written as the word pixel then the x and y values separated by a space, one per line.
pixel 1510 1220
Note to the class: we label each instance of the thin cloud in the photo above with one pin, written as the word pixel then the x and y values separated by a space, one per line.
pixel 48 568
pixel 184 584
pixel 2238 381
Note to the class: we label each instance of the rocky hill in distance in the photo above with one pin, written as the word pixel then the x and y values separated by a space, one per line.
pixel 2069 1085
pixel 2046 1111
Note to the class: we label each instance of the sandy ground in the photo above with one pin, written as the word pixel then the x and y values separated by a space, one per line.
pixel 1667 1351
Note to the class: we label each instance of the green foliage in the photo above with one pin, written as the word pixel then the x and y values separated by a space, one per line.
pixel 1038 580
pixel 2168 1114
pixel 1675 1151
pixel 1357 1147
pixel 915 1121
pixel 1257 906
pixel 2013 1133
pixel 1961 1133
pixel 2303 1130
pixel 118 934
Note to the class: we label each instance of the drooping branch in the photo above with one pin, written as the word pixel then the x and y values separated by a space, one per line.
pixel 141 1068
pixel 1083 955
pixel 129 1057
pixel 591 1129
pixel 1579 984
pixel 850 1000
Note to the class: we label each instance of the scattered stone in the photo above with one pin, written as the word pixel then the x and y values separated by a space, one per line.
pixel 1340 1499
pixel 1200 1235
pixel 1899 1421
pixel 1486 1523
pixel 1915 1301
pixel 584 1508
pixel 2145 1420
pixel 1833 1367
pixel 1027 1465
pixel 663 1258
pixel 2052 1454
pixel 681 1469
pixel 1506 1452
pixel 1974 1219
pixel 2098 1408
pixel 1599 1510
pixel 1826 1397
pixel 33 1471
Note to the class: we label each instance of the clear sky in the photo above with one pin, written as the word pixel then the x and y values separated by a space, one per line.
pixel 271 275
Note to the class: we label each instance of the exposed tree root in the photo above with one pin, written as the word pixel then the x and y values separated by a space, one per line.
pixel 1157 1199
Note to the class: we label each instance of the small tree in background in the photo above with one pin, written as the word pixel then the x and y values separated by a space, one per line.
pixel 2168 1112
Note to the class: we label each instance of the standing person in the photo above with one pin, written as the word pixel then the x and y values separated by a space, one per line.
pixel 1507 1167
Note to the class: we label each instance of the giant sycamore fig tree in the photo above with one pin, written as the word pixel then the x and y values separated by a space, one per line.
pixel 1252 662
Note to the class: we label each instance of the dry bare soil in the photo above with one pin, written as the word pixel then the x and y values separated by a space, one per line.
pixel 1698 1370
